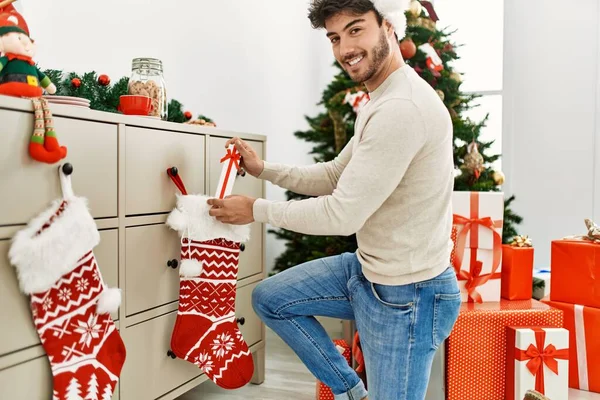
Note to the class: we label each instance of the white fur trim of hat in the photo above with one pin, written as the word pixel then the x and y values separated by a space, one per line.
pixel 393 11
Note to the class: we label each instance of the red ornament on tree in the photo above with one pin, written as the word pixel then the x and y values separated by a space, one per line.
pixel 104 80
pixel 76 82
pixel 187 115
pixel 408 48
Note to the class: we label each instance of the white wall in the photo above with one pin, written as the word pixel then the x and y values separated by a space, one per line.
pixel 251 65
pixel 551 93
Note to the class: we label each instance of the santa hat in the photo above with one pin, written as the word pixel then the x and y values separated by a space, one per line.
pixel 393 11
pixel 13 22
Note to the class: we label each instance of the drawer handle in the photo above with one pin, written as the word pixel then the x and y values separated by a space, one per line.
pixel 67 169
pixel 242 247
pixel 171 354
pixel 241 320
pixel 172 263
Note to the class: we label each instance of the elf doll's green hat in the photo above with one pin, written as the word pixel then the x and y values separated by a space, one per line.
pixel 13 22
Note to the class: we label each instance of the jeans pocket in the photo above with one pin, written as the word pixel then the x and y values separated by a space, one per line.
pixel 397 297
pixel 445 312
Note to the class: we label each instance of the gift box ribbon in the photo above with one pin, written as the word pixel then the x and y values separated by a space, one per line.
pixel 473 275
pixel 234 157
pixel 537 355
pixel 582 367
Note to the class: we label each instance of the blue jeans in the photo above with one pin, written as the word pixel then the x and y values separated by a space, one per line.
pixel 400 327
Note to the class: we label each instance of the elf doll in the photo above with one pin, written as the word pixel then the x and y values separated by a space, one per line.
pixel 20 77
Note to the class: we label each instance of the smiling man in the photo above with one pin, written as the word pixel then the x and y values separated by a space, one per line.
pixel 392 186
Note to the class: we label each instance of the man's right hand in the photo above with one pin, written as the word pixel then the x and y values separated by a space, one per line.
pixel 251 162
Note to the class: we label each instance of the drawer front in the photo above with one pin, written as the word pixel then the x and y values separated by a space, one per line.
pixel 149 153
pixel 150 281
pixel 252 328
pixel 251 262
pixel 15 305
pixel 31 380
pixel 149 372
pixel 32 185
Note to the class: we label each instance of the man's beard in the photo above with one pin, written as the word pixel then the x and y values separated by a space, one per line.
pixel 380 53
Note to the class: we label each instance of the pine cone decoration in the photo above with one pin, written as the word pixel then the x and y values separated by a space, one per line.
pixel 473 161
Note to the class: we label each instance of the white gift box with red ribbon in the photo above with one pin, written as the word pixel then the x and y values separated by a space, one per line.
pixel 537 359
pixel 231 165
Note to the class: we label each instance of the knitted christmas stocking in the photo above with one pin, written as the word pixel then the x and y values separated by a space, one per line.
pixel 70 303
pixel 206 331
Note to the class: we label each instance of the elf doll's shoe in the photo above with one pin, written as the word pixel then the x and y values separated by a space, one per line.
pixel 533 395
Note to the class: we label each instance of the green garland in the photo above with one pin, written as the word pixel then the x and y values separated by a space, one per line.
pixel 105 97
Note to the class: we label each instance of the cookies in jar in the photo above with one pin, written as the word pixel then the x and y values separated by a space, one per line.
pixel 147 80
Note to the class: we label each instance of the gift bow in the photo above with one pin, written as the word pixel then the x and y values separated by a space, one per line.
pixel 234 158
pixel 473 277
pixel 521 241
pixel 536 359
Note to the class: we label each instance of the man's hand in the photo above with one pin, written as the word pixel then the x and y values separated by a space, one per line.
pixel 251 162
pixel 235 210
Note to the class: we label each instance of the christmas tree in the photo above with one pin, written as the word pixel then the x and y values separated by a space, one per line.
pixel 430 51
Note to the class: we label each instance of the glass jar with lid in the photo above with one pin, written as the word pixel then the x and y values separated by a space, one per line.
pixel 147 80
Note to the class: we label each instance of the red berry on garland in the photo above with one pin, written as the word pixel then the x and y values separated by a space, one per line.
pixel 187 115
pixel 76 82
pixel 104 80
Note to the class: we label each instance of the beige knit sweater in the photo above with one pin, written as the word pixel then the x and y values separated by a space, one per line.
pixel 391 185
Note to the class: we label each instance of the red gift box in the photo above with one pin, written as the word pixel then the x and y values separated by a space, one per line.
pixel 537 358
pixel 476 350
pixel 517 272
pixel 575 266
pixel 477 253
pixel 583 323
pixel 323 391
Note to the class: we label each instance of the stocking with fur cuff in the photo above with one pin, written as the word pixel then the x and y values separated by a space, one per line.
pixel 70 303
pixel 206 332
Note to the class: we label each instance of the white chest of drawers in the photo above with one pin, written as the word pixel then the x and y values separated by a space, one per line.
pixel 120 165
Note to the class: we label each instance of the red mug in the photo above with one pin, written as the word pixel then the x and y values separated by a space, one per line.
pixel 135 105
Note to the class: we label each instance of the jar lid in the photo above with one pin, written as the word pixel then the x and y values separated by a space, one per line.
pixel 147 63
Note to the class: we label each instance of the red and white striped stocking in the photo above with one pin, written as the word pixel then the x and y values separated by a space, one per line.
pixel 70 303
pixel 206 331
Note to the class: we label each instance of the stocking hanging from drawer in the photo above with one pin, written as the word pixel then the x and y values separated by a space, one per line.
pixel 70 303
pixel 206 331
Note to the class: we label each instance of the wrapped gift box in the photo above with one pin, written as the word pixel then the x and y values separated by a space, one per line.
pixel 476 349
pixel 542 278
pixel 229 170
pixel 517 272
pixel 575 266
pixel 583 324
pixel 477 256
pixel 323 391
pixel 537 358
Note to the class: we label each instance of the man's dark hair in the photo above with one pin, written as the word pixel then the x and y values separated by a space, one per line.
pixel 321 10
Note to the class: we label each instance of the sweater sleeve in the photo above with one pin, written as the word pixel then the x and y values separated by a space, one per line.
pixel 393 136
pixel 312 180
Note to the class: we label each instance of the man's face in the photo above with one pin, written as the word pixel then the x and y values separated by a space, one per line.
pixel 359 44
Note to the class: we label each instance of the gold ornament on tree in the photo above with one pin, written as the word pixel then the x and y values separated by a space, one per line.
pixel 473 162
pixel 521 241
pixel 441 94
pixel 498 178
pixel 455 76
pixel 415 8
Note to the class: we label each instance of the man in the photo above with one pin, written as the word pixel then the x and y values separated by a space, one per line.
pixel 392 186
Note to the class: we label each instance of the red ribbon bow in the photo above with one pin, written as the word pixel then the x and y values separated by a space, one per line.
pixel 537 359
pixel 234 157
pixel 473 276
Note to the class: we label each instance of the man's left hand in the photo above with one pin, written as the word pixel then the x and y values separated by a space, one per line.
pixel 235 209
